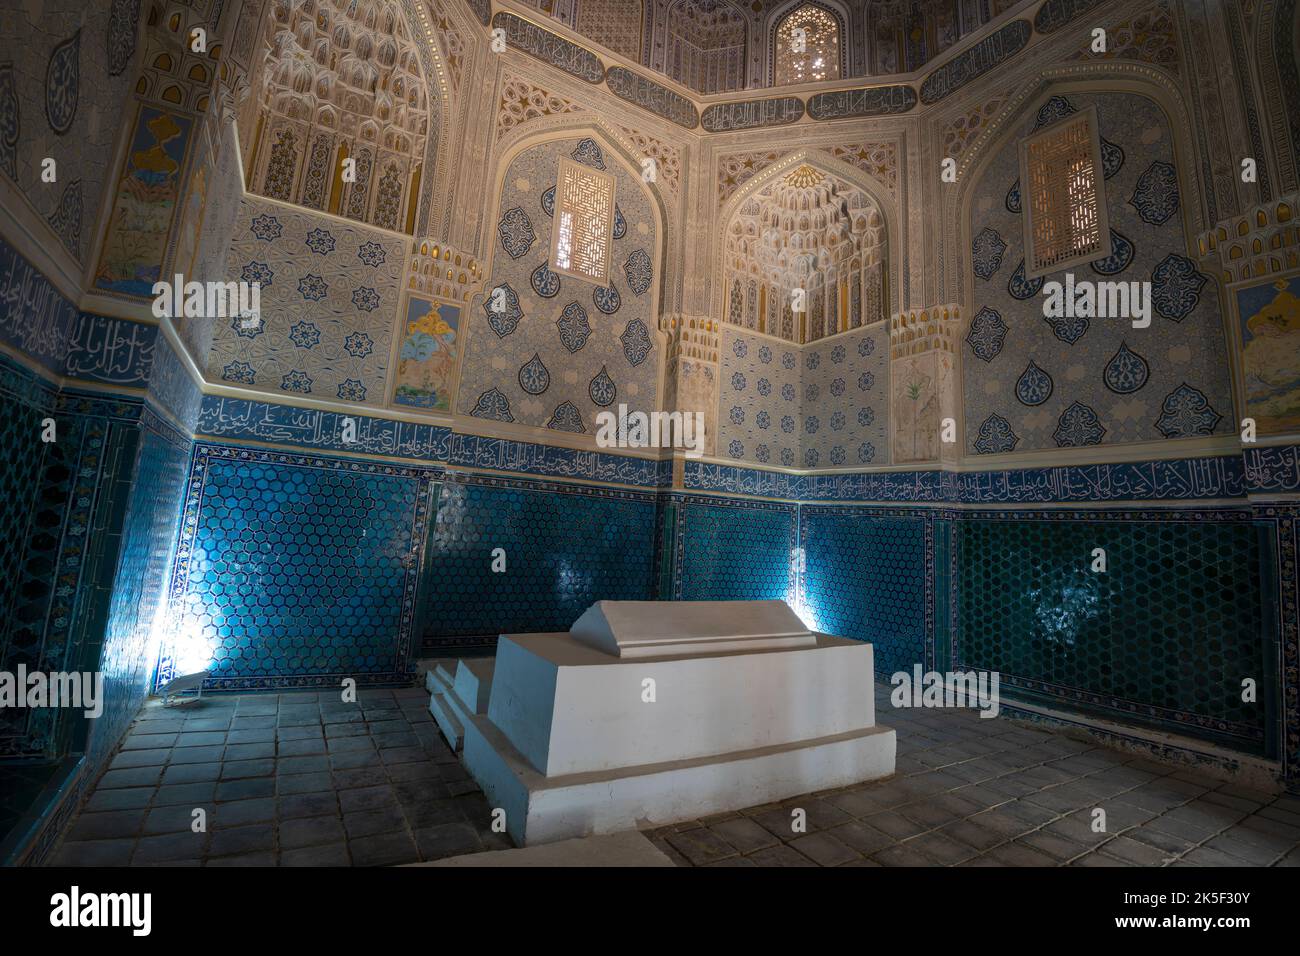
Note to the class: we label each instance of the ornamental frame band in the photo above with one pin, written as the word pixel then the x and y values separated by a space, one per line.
pixel 570 179
pixel 1074 136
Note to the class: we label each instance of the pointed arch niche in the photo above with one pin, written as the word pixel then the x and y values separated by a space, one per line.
pixel 344 111
pixel 805 226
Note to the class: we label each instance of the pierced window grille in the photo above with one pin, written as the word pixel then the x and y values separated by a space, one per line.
pixel 1064 195
pixel 584 222
pixel 820 58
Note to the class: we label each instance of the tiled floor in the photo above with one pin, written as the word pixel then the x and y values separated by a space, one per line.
pixel 294 779
pixel 981 792
pixel 302 779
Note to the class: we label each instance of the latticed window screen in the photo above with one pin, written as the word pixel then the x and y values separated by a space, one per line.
pixel 1064 195
pixel 584 222
pixel 811 54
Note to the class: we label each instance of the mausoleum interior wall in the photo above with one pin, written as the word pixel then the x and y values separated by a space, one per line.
pixel 280 456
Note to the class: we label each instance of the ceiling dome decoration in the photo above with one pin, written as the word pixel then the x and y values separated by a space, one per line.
pixel 341 89
pixel 805 230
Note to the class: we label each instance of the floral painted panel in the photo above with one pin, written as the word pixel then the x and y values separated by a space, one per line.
pixel 426 356
pixel 136 243
pixel 1270 354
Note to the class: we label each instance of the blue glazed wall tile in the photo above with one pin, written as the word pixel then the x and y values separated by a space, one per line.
pixel 869 577
pixel 296 570
pixel 566 546
pixel 1164 637
pixel 734 550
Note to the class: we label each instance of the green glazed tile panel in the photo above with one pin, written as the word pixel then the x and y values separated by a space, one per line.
pixel 1165 636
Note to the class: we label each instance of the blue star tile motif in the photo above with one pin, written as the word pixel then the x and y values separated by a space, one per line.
pixel 358 344
pixel 304 335
pixel 312 287
pixel 365 298
pixel 296 381
pixel 372 254
pixel 320 241
pixel 351 390
pixel 258 273
pixel 266 227
pixel 240 372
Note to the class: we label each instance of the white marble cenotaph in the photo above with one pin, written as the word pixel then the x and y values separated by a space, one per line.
pixel 651 712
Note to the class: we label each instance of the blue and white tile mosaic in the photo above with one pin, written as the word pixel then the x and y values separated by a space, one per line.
pixel 599 344
pixel 316 297
pixel 1110 383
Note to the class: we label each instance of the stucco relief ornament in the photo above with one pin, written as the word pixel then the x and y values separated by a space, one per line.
pixel 1185 413
pixel 986 335
pixel 995 436
pixel 566 418
pixel 574 327
pixel 1176 287
pixel 1121 256
pixel 639 271
pixel 1155 196
pixel 1078 426
pixel 548 202
pixel 1126 372
pixel 1013 198
pixel 1034 386
pixel 620 224
pixel 63 84
pixel 1018 287
pixel 588 153
pixel 504 319
pixel 986 253
pixel 545 282
pixel 516 232
pixel 493 405
pixel 636 342
pixel 602 390
pixel 534 378
pixel 607 299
